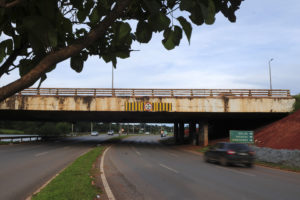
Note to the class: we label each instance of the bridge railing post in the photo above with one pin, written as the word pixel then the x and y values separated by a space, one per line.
pixel 56 92
pixel 113 92
pixel 192 92
pixel 94 92
pixel 132 94
pixel 75 92
pixel 250 94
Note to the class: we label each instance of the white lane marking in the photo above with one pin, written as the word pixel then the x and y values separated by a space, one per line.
pixel 136 151
pixel 41 154
pixel 172 154
pixel 169 168
pixel 238 172
pixel 107 189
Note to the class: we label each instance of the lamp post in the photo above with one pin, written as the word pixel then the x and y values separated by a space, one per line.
pixel 270 72
pixel 112 77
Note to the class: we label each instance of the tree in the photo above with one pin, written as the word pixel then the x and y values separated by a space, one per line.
pixel 36 35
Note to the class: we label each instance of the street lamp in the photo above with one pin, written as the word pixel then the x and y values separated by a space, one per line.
pixel 112 77
pixel 270 72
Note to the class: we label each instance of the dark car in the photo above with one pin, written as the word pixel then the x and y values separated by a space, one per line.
pixel 230 153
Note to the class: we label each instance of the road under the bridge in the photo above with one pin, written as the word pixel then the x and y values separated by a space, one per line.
pixel 217 124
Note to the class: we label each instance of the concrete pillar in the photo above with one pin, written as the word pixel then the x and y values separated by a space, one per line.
pixel 176 135
pixel 181 132
pixel 205 134
pixel 192 131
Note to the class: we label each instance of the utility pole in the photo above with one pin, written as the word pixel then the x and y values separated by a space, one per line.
pixel 270 73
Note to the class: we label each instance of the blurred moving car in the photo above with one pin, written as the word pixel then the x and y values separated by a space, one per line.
pixel 110 132
pixel 147 133
pixel 230 153
pixel 94 133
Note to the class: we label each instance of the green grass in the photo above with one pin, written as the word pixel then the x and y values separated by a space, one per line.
pixel 75 181
pixel 277 166
pixel 204 149
pixel 10 131
pixel 117 139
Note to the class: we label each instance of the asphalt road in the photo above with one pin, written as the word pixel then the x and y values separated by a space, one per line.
pixel 141 168
pixel 26 167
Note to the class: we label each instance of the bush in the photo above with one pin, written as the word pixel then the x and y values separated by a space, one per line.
pixel 297 102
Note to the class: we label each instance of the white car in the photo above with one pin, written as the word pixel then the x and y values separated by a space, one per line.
pixel 110 132
pixel 94 133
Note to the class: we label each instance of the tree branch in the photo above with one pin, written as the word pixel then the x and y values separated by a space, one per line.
pixel 9 5
pixel 9 61
pixel 52 58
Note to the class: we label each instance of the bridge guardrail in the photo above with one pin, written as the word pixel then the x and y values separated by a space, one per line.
pixel 122 92
pixel 20 138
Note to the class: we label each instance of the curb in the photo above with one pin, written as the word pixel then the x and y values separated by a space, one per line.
pixel 107 189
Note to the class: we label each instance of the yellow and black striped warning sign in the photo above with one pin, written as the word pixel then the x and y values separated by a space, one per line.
pixel 146 106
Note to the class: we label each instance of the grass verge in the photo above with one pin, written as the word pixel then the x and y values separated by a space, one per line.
pixel 278 166
pixel 75 182
pixel 11 132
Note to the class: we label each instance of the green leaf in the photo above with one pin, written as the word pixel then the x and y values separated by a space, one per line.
pixel 123 54
pixel 171 3
pixel 168 39
pixel 114 62
pixel 159 22
pixel 77 63
pixel 186 27
pixel 211 12
pixel 94 17
pixel 2 51
pixel 25 66
pixel 81 15
pixel 196 16
pixel 177 35
pixel 67 25
pixel 52 36
pixel 187 5
pixel 152 6
pixel 124 30
pixel 43 78
pixel 143 32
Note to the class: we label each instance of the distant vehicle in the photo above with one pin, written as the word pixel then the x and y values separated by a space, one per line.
pixel 110 132
pixel 230 153
pixel 163 134
pixel 94 133
pixel 147 133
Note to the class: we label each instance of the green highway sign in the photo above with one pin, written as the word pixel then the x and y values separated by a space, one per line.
pixel 241 136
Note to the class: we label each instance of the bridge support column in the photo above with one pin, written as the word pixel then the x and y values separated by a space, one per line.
pixel 192 132
pixel 176 134
pixel 181 132
pixel 202 136
pixel 205 134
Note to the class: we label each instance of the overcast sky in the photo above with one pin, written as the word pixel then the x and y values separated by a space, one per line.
pixel 223 55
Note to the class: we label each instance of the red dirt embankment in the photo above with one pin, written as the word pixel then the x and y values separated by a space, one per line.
pixel 282 134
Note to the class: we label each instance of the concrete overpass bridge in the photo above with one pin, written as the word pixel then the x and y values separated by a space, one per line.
pixel 231 108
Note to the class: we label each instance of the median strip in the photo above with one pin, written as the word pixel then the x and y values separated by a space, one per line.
pixel 75 182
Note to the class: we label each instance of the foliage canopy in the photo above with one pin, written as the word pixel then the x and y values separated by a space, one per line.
pixel 36 35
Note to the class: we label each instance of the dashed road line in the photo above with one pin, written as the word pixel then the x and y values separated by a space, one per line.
pixel 41 154
pixel 238 172
pixel 169 168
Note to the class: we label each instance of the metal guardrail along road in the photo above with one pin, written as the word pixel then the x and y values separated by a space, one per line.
pixel 118 92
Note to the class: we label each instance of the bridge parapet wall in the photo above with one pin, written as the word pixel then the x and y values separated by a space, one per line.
pixel 163 104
